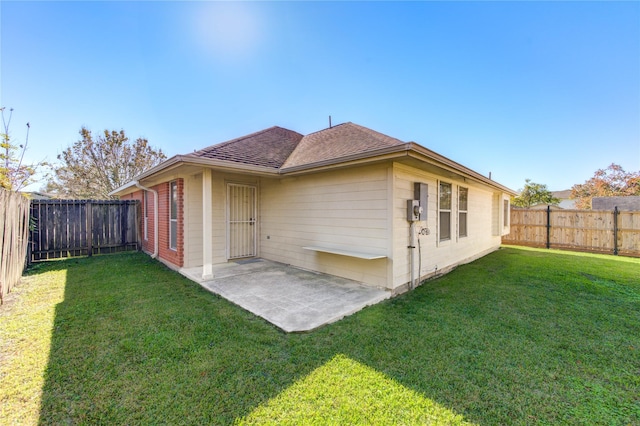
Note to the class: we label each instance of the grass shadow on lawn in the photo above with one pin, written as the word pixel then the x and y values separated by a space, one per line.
pixel 518 337
pixel 134 342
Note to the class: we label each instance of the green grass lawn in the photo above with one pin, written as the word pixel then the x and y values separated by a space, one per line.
pixel 521 336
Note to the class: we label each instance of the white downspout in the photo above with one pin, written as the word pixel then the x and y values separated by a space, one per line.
pixel 155 217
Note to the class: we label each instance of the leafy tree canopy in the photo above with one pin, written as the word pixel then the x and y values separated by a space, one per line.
pixel 93 167
pixel 534 193
pixel 609 182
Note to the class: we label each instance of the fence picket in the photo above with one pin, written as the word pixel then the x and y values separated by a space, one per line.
pixel 14 226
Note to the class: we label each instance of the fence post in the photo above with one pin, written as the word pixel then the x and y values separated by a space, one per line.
pixel 124 214
pixel 89 229
pixel 615 230
pixel 28 260
pixel 137 215
pixel 548 226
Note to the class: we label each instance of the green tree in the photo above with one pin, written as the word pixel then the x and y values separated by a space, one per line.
pixel 532 194
pixel 93 167
pixel 14 173
pixel 610 182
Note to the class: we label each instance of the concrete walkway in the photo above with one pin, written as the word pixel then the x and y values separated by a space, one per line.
pixel 290 298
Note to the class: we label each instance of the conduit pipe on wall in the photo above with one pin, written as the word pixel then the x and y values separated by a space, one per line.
pixel 155 217
pixel 412 246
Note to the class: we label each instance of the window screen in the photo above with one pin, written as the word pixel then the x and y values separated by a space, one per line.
pixel 463 196
pixel 444 208
pixel 173 215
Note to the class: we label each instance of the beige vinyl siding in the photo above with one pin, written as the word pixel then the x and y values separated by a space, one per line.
pixel 345 209
pixel 440 255
pixel 193 221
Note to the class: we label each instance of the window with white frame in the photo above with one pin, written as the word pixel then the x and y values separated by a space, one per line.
pixel 506 213
pixel 173 215
pixel 444 210
pixel 463 197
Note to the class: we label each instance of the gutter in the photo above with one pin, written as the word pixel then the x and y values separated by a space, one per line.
pixel 403 150
pixel 229 165
pixel 155 216
pixel 445 163
pixel 179 160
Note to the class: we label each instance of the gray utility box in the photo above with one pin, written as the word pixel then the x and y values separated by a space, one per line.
pixel 421 193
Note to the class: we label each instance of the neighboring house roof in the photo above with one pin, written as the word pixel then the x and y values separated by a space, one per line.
pixel 35 195
pixel 338 142
pixel 629 203
pixel 566 202
pixel 278 151
pixel 563 195
pixel 269 148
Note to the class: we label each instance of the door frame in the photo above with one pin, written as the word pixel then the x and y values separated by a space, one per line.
pixel 252 222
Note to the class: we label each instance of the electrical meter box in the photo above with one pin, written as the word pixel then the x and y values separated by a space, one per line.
pixel 413 210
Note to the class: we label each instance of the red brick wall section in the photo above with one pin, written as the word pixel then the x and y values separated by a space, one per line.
pixel 149 244
pixel 175 257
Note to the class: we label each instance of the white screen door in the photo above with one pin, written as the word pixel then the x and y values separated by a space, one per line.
pixel 241 226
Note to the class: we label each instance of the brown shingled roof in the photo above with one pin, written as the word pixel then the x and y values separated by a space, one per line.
pixel 268 148
pixel 281 151
pixel 336 142
pixel 281 148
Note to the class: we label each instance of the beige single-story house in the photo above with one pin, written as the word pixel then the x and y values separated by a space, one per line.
pixel 346 201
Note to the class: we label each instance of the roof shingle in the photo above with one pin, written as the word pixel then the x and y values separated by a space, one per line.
pixel 281 148
pixel 336 142
pixel 268 148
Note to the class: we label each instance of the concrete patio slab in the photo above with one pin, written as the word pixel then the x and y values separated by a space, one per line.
pixel 292 299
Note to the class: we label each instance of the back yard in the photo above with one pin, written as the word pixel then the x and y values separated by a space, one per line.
pixel 521 336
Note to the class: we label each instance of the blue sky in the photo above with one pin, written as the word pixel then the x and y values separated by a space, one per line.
pixel 541 90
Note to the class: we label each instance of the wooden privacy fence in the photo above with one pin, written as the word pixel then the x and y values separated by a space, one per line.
pixel 14 230
pixel 613 232
pixel 67 228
